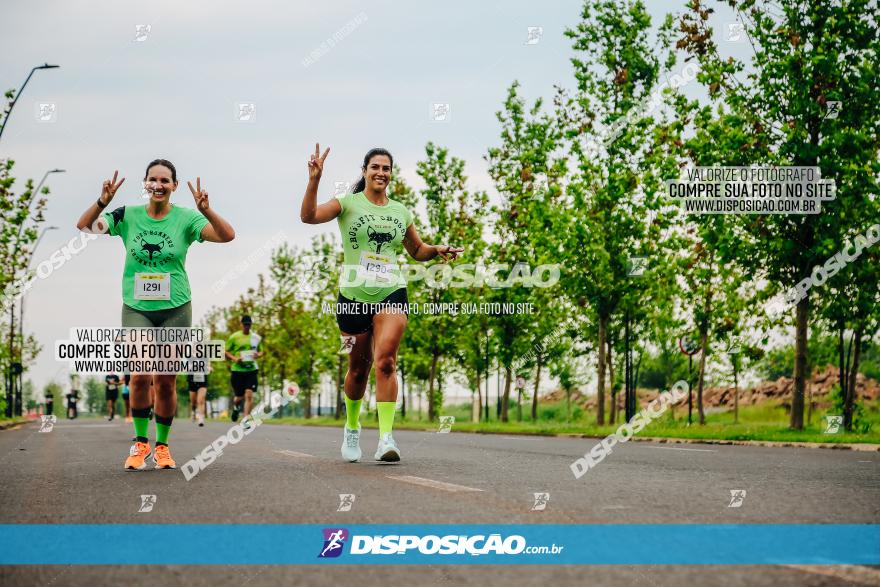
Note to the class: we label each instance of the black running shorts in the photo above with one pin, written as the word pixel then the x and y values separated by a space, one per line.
pixel 242 380
pixel 194 385
pixel 357 317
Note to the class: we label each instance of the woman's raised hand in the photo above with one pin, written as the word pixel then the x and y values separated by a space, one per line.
pixel 110 187
pixel 200 196
pixel 316 162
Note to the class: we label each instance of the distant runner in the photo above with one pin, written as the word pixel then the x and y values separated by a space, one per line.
pixel 111 394
pixel 243 349
pixel 198 390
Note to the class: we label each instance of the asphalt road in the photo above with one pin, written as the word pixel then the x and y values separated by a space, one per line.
pixel 294 475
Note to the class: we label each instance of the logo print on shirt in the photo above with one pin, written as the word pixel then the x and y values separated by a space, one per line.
pixel 152 248
pixel 380 238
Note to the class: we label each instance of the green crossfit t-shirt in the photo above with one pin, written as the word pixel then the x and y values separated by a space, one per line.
pixel 372 238
pixel 155 277
pixel 240 343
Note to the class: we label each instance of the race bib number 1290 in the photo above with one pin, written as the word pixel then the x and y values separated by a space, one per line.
pixel 377 269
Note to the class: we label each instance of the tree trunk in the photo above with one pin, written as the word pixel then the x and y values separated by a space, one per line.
pixel 600 391
pixel 800 363
pixel 841 367
pixel 850 397
pixel 308 392
pixel 704 343
pixel 614 410
pixel 635 384
pixel 506 399
pixel 735 391
pixel 479 394
pixel 477 399
pixel 537 385
pixel 431 408
pixel 809 404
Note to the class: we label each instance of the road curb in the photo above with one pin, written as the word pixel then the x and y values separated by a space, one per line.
pixel 861 447
pixel 11 424
pixel 831 445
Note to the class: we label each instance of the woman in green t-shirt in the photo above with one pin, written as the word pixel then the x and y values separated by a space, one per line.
pixel 155 287
pixel 372 305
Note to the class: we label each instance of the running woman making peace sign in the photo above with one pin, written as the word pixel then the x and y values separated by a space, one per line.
pixel 374 310
pixel 156 237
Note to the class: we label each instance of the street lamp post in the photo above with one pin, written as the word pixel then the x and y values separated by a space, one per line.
pixel 19 388
pixel 42 181
pixel 18 95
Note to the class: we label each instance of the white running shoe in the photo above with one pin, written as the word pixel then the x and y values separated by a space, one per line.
pixel 200 419
pixel 387 450
pixel 351 444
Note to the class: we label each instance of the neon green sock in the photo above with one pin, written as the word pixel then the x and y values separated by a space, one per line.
pixel 163 427
pixel 141 418
pixel 141 426
pixel 352 412
pixel 386 416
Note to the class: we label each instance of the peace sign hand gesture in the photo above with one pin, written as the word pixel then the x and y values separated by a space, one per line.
pixel 110 187
pixel 200 196
pixel 316 162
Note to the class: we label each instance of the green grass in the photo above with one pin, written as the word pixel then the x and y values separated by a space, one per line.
pixel 767 422
pixel 14 419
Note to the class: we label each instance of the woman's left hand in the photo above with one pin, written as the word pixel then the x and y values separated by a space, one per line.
pixel 201 197
pixel 447 252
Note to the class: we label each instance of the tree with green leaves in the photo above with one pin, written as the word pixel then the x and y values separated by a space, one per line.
pixel 617 169
pixel 527 169
pixel 20 217
pixel 780 115
pixel 454 215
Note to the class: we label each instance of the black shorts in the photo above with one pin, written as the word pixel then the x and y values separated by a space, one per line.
pixel 357 317
pixel 111 394
pixel 194 385
pixel 242 380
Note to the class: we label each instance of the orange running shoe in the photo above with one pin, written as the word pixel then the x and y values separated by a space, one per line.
pixel 136 456
pixel 162 457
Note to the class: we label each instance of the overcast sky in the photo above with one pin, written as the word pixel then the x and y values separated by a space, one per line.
pixel 121 102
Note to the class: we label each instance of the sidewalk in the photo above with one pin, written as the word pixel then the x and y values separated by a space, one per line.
pixel 862 447
pixel 837 445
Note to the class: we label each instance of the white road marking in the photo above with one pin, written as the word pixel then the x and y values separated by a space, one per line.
pixel 675 448
pixel 615 507
pixel 87 426
pixel 432 484
pixel 866 461
pixel 853 573
pixel 293 453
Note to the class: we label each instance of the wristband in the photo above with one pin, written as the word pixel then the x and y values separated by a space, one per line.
pixel 100 204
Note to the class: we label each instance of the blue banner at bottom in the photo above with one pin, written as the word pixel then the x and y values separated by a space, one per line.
pixel 595 544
